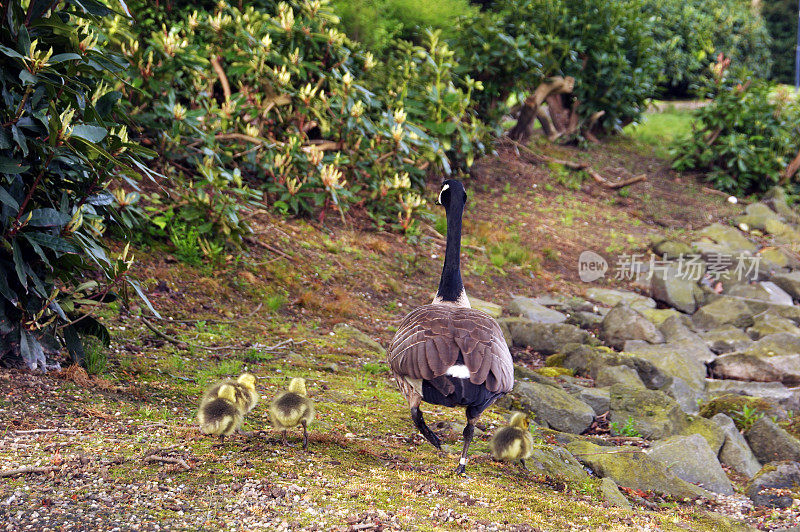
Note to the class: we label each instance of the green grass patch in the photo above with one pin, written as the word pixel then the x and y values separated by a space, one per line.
pixel 661 129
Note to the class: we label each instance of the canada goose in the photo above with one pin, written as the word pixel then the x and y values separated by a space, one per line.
pixel 513 442
pixel 292 408
pixel 446 353
pixel 218 413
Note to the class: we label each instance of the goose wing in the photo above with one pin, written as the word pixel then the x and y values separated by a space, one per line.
pixel 430 339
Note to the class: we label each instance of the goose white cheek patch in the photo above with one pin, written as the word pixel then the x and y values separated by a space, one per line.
pixel 459 371
pixel 440 193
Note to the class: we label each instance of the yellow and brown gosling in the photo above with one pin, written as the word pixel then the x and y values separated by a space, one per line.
pixel 218 413
pixel 246 396
pixel 291 408
pixel 514 442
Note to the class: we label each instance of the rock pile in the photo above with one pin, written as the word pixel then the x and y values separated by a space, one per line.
pixel 700 373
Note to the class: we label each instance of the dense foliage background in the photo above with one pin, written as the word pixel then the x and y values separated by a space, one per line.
pixel 310 108
pixel 780 17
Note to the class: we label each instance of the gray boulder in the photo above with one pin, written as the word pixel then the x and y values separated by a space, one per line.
pixel 587 360
pixel 675 329
pixel 726 339
pixel 775 392
pixel 545 338
pixel 556 462
pixel 790 282
pixel 670 249
pixel 775 357
pixel 687 396
pixel 612 495
pixel 492 309
pixel 676 289
pixel 624 323
pixel 653 413
pixel 722 311
pixel 553 407
pixel 612 298
pixel 764 291
pixel 770 442
pixel 530 309
pixel 735 452
pixel 598 398
pixel 631 467
pixel 758 216
pixel 768 323
pixel 769 487
pixel 730 238
pixel 610 375
pixel 685 360
pixel 691 458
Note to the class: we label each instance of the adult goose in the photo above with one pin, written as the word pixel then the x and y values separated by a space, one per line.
pixel 447 353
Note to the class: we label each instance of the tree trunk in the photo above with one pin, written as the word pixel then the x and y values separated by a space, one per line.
pixel 790 170
pixel 531 110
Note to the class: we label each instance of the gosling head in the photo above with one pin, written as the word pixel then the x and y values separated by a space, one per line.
pixel 519 420
pixel 247 380
pixel 226 391
pixel 298 386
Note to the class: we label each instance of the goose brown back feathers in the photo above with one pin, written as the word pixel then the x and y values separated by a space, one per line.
pixel 431 337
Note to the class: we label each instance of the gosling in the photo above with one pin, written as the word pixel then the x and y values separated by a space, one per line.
pixel 514 442
pixel 218 413
pixel 224 405
pixel 291 408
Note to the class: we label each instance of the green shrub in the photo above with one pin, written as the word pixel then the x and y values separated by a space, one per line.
pixel 279 99
pixel 780 17
pixel 376 23
pixel 745 137
pixel 61 142
pixel 689 35
pixel 605 46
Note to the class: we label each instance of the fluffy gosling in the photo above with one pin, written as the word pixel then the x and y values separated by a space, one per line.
pixel 514 442
pixel 292 408
pixel 224 405
pixel 218 413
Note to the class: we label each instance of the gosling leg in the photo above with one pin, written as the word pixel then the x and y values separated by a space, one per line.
pixel 305 435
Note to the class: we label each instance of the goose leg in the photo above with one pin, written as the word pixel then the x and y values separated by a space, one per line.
pixel 469 431
pixel 419 422
pixel 305 435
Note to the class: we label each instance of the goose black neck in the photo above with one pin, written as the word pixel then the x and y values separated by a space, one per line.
pixel 450 285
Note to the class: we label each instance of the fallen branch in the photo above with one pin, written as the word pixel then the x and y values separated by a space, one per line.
pixel 270 248
pixel 28 470
pixel 578 166
pixel 40 431
pixel 185 345
pixel 223 79
pixel 168 460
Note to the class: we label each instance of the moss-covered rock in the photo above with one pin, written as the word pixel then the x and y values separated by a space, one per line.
pixel 659 315
pixel 789 282
pixel 733 405
pixel 653 413
pixel 556 462
pixel 669 286
pixel 735 452
pixel 610 492
pixel 684 359
pixel 612 298
pixel 775 357
pixel 631 467
pixel 528 308
pixel 770 485
pixel 492 309
pixel 545 338
pixel 610 375
pixel 769 323
pixel 624 323
pixel 554 372
pixel 726 339
pixel 553 407
pixel 708 429
pixel 770 442
pixel 729 237
pixel 693 460
pixel 352 334
pixel 723 311
pixel 587 361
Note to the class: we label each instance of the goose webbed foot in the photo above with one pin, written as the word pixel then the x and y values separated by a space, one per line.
pixel 427 433
pixel 461 470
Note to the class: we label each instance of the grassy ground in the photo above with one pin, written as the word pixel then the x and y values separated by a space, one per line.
pixel 121 449
pixel 662 127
